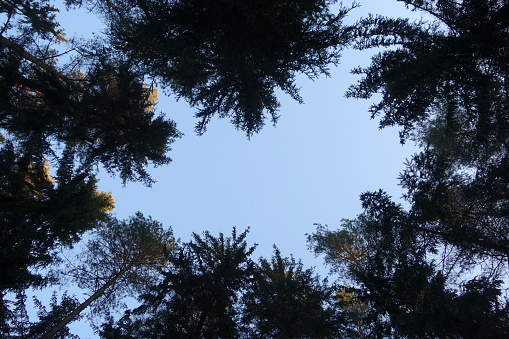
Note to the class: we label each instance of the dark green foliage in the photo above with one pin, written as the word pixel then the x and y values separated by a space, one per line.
pixel 461 60
pixel 468 210
pixel 445 85
pixel 76 121
pixel 47 319
pixel 405 279
pixel 212 289
pixel 40 214
pixel 94 111
pixel 122 258
pixel 201 286
pixel 125 328
pixel 30 16
pixel 228 57
pixel 96 105
pixel 478 311
pixel 138 244
pixel 106 116
pixel 20 325
pixel 287 301
pixel 198 295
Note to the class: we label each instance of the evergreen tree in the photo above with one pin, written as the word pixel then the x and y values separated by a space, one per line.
pixel 122 258
pixel 228 57
pixel 48 319
pixel 93 110
pixel 96 105
pixel 285 300
pixel 198 295
pixel 411 284
pixel 459 59
pixel 445 84
pixel 39 215
pixel 19 325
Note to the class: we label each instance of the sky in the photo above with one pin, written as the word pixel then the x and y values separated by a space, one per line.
pixel 310 168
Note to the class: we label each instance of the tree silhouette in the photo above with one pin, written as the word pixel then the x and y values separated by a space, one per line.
pixel 285 300
pixel 405 283
pixel 120 258
pixel 228 57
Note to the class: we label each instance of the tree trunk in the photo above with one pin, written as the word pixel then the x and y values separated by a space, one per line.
pixel 27 56
pixel 87 302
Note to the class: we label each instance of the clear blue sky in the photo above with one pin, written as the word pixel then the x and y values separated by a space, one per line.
pixel 309 169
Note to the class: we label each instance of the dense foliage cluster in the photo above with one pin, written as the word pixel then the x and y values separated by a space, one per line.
pixel 438 269
pixel 228 57
pixel 93 110
pixel 211 288
pixel 435 269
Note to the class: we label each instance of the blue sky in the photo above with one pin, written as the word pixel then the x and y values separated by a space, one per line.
pixel 309 169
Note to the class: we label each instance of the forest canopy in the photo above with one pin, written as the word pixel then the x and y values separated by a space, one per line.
pixel 227 58
pixel 72 108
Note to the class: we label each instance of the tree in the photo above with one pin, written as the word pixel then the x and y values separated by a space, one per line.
pixel 48 319
pixel 20 325
pixel 93 110
pixel 466 209
pixel 212 289
pixel 96 105
pixel 228 57
pixel 406 278
pixel 285 300
pixel 122 258
pixel 459 59
pixel 445 84
pixel 39 215
pixel 198 294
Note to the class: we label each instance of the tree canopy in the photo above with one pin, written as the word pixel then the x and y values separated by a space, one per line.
pixel 60 120
pixel 211 288
pixel 443 82
pixel 228 57
pixel 285 300
pixel 407 283
pixel 122 258
pixel 198 292
pixel 434 269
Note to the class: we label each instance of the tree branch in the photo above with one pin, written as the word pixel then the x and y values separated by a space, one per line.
pixel 87 302
pixel 33 59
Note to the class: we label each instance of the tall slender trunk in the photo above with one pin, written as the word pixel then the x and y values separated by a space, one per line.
pixel 199 326
pixel 87 302
pixel 33 59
